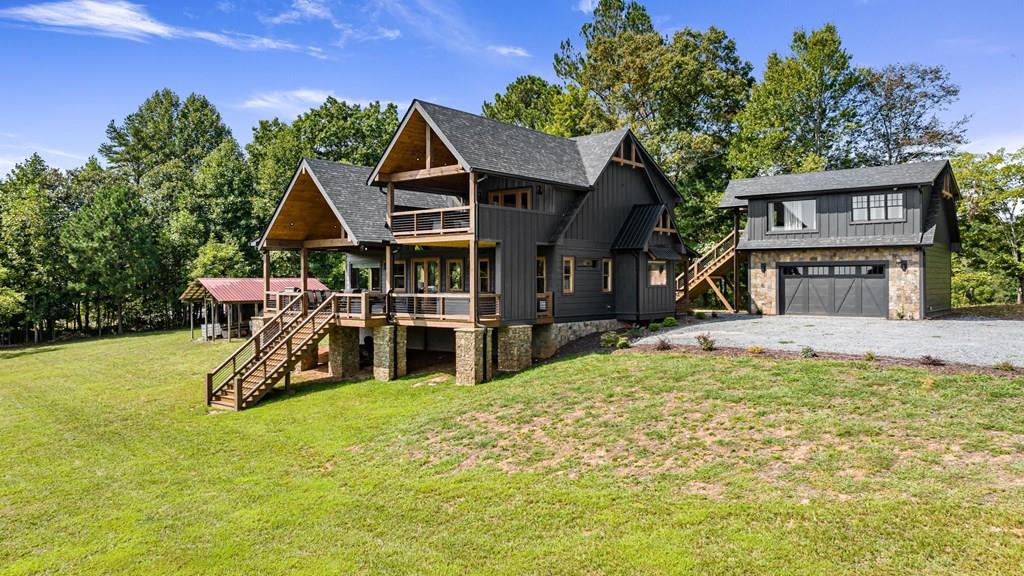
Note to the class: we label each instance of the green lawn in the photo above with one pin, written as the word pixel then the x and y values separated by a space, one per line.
pixel 604 464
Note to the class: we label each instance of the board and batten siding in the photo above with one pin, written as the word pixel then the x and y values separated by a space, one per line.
pixel 938 262
pixel 835 217
pixel 615 193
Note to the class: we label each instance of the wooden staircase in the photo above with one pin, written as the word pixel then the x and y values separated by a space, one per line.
pixel 271 354
pixel 703 274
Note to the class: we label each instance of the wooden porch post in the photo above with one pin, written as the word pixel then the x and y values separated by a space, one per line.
pixel 191 320
pixel 391 203
pixel 735 259
pixel 266 274
pixel 686 279
pixel 231 308
pixel 474 260
pixel 304 277
pixel 385 274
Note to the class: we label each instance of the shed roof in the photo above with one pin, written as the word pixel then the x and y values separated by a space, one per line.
pixel 637 228
pixel 832 181
pixel 241 290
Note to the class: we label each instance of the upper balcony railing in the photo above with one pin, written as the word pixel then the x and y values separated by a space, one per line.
pixel 427 222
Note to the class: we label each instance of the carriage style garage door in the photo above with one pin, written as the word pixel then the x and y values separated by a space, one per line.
pixel 847 289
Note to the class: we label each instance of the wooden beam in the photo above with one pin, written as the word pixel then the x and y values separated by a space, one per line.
pixel 390 204
pixel 266 272
pixel 428 148
pixel 474 257
pixel 304 277
pixel 419 174
pixel 386 274
pixel 326 243
pixel 282 244
pixel 714 288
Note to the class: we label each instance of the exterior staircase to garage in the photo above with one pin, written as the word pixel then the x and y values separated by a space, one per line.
pixel 705 273
pixel 270 355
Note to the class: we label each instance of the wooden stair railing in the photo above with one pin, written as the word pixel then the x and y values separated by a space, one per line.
pixel 242 358
pixel 705 268
pixel 279 359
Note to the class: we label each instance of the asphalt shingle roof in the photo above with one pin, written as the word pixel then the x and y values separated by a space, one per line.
pixel 838 242
pixel 363 207
pixel 830 181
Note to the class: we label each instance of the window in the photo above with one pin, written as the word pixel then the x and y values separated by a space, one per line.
pixel 568 274
pixel 606 274
pixel 846 270
pixel 513 198
pixel 398 278
pixel 455 283
pixel 664 224
pixel 792 271
pixel 485 275
pixel 817 270
pixel 793 216
pixel 657 273
pixel 542 274
pixel 873 270
pixel 878 207
pixel 427 275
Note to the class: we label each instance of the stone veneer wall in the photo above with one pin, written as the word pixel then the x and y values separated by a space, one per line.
pixel 469 355
pixel 904 286
pixel 386 345
pixel 548 338
pixel 515 348
pixel 343 351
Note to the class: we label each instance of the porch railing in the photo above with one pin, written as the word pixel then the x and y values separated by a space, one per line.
pixel 363 306
pixel 434 221
pixel 444 306
pixel 274 301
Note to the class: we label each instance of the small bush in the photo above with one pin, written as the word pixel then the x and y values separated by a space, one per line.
pixel 928 360
pixel 870 357
pixel 714 314
pixel 609 339
pixel 808 352
pixel 698 315
pixel 654 326
pixel 755 350
pixel 706 342
pixel 670 322
pixel 623 343
pixel 759 312
pixel 1005 366
pixel 635 332
pixel 663 345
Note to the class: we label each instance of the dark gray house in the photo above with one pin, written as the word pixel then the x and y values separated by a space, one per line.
pixel 860 242
pixel 470 236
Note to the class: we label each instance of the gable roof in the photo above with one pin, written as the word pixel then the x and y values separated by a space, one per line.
pixel 241 290
pixel 360 208
pixel 831 181
pixel 486 145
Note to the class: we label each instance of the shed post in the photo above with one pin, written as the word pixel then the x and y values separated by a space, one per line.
pixel 735 259
pixel 231 308
pixel 304 273
pixel 191 320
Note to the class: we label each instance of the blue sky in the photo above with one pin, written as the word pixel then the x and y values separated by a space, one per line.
pixel 69 67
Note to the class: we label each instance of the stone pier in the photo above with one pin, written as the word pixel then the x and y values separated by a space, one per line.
pixel 515 348
pixel 343 355
pixel 469 355
pixel 389 359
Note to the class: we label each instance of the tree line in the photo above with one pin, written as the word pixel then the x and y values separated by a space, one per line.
pixel 109 246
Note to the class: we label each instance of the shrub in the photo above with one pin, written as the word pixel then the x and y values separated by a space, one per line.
pixel 663 344
pixel 622 343
pixel 706 342
pixel 755 350
pixel 670 322
pixel 808 352
pixel 1005 366
pixel 698 315
pixel 714 314
pixel 928 360
pixel 635 332
pixel 609 339
pixel 759 312
pixel 654 326
pixel 870 357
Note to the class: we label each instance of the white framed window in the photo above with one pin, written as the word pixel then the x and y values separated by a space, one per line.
pixel 398 278
pixel 793 215
pixel 657 273
pixel 606 275
pixel 485 276
pixel 568 274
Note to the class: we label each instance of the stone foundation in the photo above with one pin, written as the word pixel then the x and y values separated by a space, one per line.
pixel 548 338
pixel 389 361
pixel 309 360
pixel 904 286
pixel 515 348
pixel 469 355
pixel 343 355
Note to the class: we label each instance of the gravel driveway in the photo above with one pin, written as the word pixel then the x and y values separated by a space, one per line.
pixel 967 340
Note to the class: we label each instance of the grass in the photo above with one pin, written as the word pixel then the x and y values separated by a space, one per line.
pixel 619 463
pixel 1002 311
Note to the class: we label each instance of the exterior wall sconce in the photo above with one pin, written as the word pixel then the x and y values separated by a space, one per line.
pixel 764 267
pixel 903 265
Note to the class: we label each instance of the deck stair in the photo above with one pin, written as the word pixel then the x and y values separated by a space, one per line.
pixel 705 272
pixel 248 374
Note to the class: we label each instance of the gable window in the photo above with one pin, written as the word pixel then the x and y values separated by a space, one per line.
pixel 455 276
pixel 568 274
pixel 657 273
pixel 542 274
pixel 664 225
pixel 398 278
pixel 513 198
pixel 485 275
pixel 878 207
pixel 793 215
pixel 606 275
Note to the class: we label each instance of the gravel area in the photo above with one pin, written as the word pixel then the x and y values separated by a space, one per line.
pixel 965 339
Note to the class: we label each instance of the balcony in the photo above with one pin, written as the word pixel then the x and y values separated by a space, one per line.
pixel 362 309
pixel 444 308
pixel 416 224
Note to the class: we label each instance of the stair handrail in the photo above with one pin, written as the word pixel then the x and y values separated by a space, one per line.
pixel 213 388
pixel 328 304
pixel 715 253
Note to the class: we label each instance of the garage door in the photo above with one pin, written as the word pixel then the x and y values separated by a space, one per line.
pixel 848 289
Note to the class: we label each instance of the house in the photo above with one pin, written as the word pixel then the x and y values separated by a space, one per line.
pixel 860 242
pixel 489 242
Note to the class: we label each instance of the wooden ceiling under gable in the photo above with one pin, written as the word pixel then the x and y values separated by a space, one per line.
pixel 305 214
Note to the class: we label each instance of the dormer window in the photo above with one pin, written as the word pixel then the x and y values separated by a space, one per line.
pixel 793 216
pixel 878 207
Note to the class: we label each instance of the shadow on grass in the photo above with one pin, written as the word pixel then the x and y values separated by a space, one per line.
pixel 28 351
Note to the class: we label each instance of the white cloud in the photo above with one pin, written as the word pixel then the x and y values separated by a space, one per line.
pixel 290 103
pixel 17 152
pixel 122 19
pixel 510 51
pixel 586 6
pixel 1011 141
pixel 437 21
pixel 302 10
